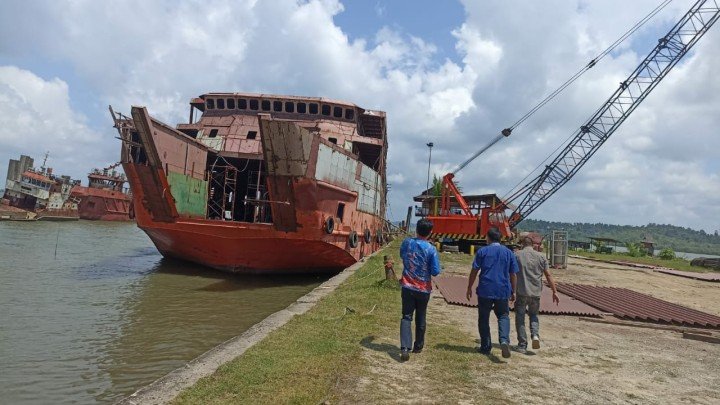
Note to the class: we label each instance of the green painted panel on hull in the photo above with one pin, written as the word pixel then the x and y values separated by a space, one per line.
pixel 190 194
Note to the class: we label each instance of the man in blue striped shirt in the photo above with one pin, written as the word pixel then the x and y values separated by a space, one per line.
pixel 420 263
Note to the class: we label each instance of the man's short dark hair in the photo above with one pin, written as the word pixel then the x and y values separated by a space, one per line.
pixel 494 235
pixel 424 227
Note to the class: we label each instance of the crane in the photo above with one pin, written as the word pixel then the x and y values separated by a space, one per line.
pixel 584 143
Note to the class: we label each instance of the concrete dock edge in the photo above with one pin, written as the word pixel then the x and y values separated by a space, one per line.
pixel 166 388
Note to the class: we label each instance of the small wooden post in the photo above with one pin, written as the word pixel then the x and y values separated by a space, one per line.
pixel 389 271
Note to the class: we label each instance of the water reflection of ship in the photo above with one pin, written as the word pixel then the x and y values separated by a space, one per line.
pixel 105 198
pixel 180 310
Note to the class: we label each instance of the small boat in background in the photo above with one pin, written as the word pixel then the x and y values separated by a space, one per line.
pixel 105 198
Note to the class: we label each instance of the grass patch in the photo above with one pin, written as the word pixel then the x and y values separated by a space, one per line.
pixel 351 336
pixel 677 263
pixel 302 361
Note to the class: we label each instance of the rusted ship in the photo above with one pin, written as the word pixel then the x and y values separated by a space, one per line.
pixel 105 198
pixel 37 194
pixel 260 183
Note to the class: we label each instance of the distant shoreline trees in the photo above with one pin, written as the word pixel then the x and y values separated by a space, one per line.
pixel 676 238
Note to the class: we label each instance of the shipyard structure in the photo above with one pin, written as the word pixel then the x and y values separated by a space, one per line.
pixel 38 194
pixel 260 183
pixel 105 198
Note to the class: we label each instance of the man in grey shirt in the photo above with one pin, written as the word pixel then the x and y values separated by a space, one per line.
pixel 529 287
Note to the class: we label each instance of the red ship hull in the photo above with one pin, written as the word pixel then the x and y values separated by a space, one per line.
pixel 294 202
pixel 247 248
pixel 102 205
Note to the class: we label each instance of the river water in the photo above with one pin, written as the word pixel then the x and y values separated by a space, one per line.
pixel 89 311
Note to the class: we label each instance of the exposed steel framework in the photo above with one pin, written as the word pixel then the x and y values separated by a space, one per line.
pixel 605 121
pixel 449 189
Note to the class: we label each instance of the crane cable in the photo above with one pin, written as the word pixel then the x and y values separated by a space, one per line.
pixel 507 131
pixel 632 30
pixel 592 63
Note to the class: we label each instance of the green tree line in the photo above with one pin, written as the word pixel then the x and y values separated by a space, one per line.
pixel 674 237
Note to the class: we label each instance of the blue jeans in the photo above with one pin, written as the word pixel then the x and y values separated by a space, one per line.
pixel 502 312
pixel 413 302
pixel 531 305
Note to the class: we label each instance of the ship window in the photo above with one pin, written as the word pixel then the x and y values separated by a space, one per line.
pixel 210 104
pixel 265 104
pixel 349 114
pixel 289 106
pixel 333 140
pixel 221 104
pixel 313 108
pixel 252 134
pixel 302 108
pixel 231 104
pixel 337 112
pixel 277 106
pixel 341 211
pixel 242 104
pixel 253 104
pixel 325 109
pixel 213 133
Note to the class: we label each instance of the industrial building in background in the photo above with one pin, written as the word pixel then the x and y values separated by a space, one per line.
pixel 37 194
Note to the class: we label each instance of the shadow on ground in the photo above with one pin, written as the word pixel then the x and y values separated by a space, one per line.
pixel 467 349
pixel 391 350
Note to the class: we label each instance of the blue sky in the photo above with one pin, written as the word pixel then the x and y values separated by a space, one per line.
pixel 431 20
pixel 454 72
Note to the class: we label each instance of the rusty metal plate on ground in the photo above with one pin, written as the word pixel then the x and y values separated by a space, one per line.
pixel 629 304
pixel 453 289
pixel 689 274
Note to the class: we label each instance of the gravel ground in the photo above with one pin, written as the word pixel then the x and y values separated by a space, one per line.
pixel 579 362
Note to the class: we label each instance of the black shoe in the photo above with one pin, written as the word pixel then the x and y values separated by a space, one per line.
pixel 417 350
pixel 505 350
pixel 481 351
pixel 404 355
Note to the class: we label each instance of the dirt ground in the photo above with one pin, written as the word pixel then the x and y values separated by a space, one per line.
pixel 579 362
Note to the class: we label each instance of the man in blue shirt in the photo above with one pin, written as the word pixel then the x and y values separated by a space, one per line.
pixel 498 268
pixel 420 262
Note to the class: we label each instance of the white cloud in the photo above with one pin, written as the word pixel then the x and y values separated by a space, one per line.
pixel 511 53
pixel 37 117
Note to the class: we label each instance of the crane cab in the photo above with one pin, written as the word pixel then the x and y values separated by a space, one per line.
pixel 455 225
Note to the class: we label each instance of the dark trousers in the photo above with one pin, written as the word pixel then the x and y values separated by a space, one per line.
pixel 502 312
pixel 413 302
